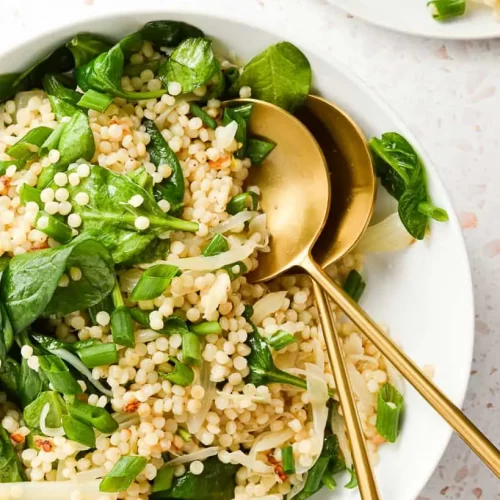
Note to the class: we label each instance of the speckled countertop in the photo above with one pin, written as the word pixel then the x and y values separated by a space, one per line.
pixel 447 92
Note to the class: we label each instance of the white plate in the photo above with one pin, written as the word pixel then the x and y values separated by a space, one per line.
pixel 413 17
pixel 424 293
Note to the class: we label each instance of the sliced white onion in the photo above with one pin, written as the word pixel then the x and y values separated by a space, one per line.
pixel 238 457
pixel 22 98
pixel 256 398
pixel 359 387
pixel 76 363
pixel 395 378
pixel 338 428
pixel 91 474
pixel 224 135
pixel 147 335
pixel 319 354
pixel 270 440
pixel 49 431
pixel 201 263
pixel 196 455
pixel 53 490
pixel 387 236
pixel 266 306
pixel 217 295
pixel 235 221
pixel 129 279
pixel 126 420
pixel 194 422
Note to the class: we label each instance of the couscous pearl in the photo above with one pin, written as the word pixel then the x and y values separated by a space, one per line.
pixel 83 170
pixel 47 195
pixel 196 467
pixel 75 273
pixel 141 223
pixel 74 179
pixel 174 88
pixel 74 220
pixel 103 318
pixel 61 179
pixel 62 194
pixel 136 200
pixel 164 205
pixel 82 198
pixel 65 207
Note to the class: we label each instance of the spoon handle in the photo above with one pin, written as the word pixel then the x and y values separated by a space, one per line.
pixel 472 436
pixel 364 473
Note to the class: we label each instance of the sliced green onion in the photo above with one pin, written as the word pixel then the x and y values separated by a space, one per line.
pixel 59 375
pixel 258 149
pixel 353 481
pixel 92 415
pixel 288 460
pixel 171 325
pixel 5 164
pixel 243 201
pixel 433 212
pixel 205 117
pixel 82 344
pixel 137 69
pixel 52 140
pixel 315 475
pixel 78 431
pixel 99 355
pixel 184 434
pixel 122 475
pixel 329 482
pixel 122 328
pixel 280 339
pixel 235 270
pixel 95 100
pixel 53 227
pixel 389 410
pixel 29 193
pixel 181 374
pixel 29 145
pixel 216 245
pixel 191 349
pixel 153 282
pixel 244 110
pixel 164 479
pixel 354 285
pixel 443 10
pixel 206 328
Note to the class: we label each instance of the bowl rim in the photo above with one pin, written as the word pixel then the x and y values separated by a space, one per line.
pixel 264 25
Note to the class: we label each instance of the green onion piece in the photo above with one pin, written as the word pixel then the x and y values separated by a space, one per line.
pixel 191 349
pixel 206 328
pixel 353 481
pixel 92 415
pixel 154 282
pixel 389 410
pixel 99 355
pixel 122 475
pixel 29 145
pixel 78 431
pixel 433 212
pixel 137 69
pixel 288 460
pixel 81 344
pixel 235 270
pixel 244 110
pixel 354 285
pixel 121 325
pixel 59 375
pixel 205 117
pixel 181 374
pixel 184 434
pixel 52 140
pixel 258 149
pixel 29 193
pixel 53 227
pixel 443 10
pixel 5 164
pixel 315 475
pixel 216 245
pixel 95 100
pixel 280 339
pixel 243 201
pixel 329 482
pixel 164 479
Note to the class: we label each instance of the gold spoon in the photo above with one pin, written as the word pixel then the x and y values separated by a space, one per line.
pixel 295 195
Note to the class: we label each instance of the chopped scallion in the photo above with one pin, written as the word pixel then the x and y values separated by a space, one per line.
pixel 203 115
pixel 216 245
pixel 99 355
pixel 184 434
pixel 433 212
pixel 78 431
pixel 280 339
pixel 191 349
pixel 354 285
pixel 154 282
pixel 288 460
pixel 353 481
pixel 95 100
pixel 181 374
pixel 122 328
pixel 235 270
pixel 59 375
pixel 122 475
pixel 53 227
pixel 164 479
pixel 258 149
pixel 29 145
pixel 29 193
pixel 206 328
pixel 243 201
pixel 442 10
pixel 92 415
pixel 389 411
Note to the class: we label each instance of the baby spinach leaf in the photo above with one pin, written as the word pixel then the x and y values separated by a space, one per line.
pixel 62 108
pixel 76 143
pixel 243 201
pixel 169 33
pixel 216 482
pixel 137 69
pixel 142 178
pixel 171 189
pixel 9 378
pixel 53 85
pixel 6 335
pixel 27 147
pixel 280 75
pixel 104 74
pixel 29 286
pixel 86 47
pixel 5 164
pixel 191 64
pixel 11 470
pixel 9 85
pixel 31 413
pixel 402 173
pixel 110 218
pixel 258 149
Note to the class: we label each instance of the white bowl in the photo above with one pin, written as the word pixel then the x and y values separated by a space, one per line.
pixel 424 294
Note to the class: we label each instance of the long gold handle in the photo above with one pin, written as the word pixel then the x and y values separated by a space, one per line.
pixel 472 436
pixel 364 473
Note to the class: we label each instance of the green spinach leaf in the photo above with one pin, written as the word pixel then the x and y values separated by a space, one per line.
pixel 110 218
pixel 280 75
pixel 169 33
pixel 171 189
pixel 9 378
pixel 31 413
pixel 11 470
pixel 54 85
pixel 192 64
pixel 258 149
pixel 86 47
pixel 28 146
pixel 6 335
pixel 29 286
